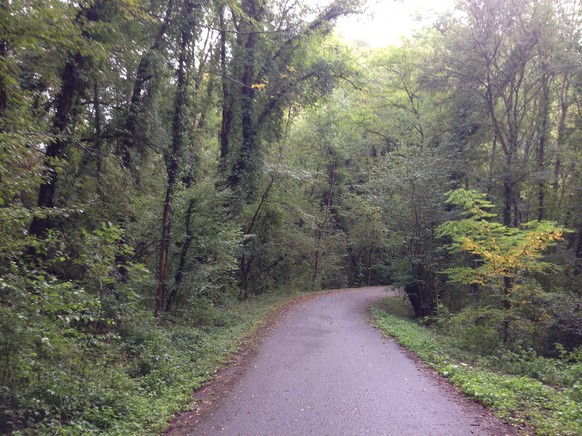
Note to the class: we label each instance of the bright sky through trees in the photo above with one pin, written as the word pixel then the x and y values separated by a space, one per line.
pixel 386 21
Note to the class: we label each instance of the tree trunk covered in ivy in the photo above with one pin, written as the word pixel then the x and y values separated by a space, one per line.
pixel 56 148
pixel 143 75
pixel 174 154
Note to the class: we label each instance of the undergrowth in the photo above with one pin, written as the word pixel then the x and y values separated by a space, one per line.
pixel 139 379
pixel 539 394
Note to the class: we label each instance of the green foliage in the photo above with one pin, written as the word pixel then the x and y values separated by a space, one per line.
pixel 477 329
pixel 504 260
pixel 34 342
pixel 504 252
pixel 56 333
pixel 337 159
pixel 60 377
pixel 212 261
pixel 407 187
pixel 522 388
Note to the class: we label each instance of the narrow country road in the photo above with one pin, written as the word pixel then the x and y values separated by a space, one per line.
pixel 324 370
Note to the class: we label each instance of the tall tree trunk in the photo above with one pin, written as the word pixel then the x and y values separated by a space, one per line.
pixel 183 254
pixel 56 147
pixel 562 129
pixel 420 294
pixel 3 66
pixel 142 76
pixel 320 229
pixel 226 98
pixel 98 149
pixel 247 259
pixel 542 140
pixel 172 157
pixel 188 180
pixel 506 145
pixel 508 195
pixel 164 251
pixel 578 251
pixel 245 164
pixel 507 283
pixel 492 166
pixel 70 89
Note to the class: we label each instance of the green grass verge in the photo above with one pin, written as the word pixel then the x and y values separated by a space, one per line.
pixel 518 399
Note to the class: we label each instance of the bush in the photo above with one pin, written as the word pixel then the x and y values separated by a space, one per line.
pixel 61 375
pixel 565 326
pixel 475 329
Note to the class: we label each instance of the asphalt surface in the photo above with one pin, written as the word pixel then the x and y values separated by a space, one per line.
pixel 323 370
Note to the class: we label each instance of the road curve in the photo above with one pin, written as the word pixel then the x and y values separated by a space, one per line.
pixel 324 370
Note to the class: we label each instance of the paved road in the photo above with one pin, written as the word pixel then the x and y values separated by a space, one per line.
pixel 325 371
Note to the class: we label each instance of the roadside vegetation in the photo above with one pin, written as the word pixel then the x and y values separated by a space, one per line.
pixel 132 382
pixel 538 394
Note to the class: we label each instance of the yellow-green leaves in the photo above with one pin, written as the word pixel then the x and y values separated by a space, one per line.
pixel 501 252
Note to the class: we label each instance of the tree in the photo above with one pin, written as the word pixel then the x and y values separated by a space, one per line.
pixel 143 75
pixel 493 54
pixel 81 52
pixel 267 79
pixel 506 256
pixel 407 187
pixel 174 153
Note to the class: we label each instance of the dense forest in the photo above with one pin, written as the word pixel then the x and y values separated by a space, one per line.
pixel 163 161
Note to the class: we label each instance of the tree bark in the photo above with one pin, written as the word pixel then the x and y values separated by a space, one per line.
pixel 70 88
pixel 507 283
pixel 247 260
pixel 172 158
pixel 56 147
pixel 323 223
pixel 508 196
pixel 562 134
pixel 227 115
pixel 578 252
pixel 188 180
pixel 98 149
pixel 542 140
pixel 142 76
pixel 421 301
pixel 492 166
pixel 3 65
pixel 183 255
pixel 246 161
pixel 164 251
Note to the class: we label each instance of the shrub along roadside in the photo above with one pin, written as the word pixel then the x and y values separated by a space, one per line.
pixel 145 374
pixel 516 397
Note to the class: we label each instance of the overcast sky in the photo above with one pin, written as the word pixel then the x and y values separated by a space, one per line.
pixel 388 20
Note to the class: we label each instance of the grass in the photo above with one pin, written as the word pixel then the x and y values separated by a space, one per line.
pixel 515 387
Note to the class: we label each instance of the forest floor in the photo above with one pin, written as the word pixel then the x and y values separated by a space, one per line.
pixel 317 367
